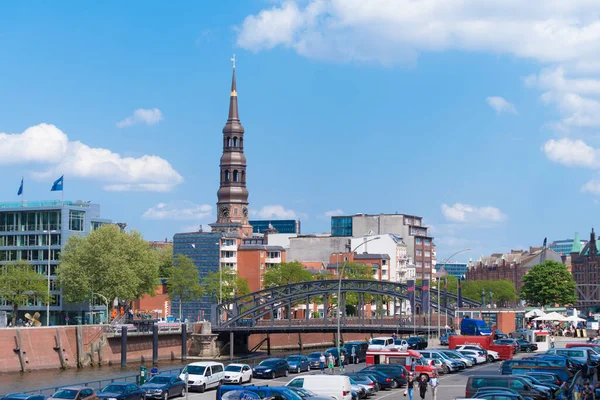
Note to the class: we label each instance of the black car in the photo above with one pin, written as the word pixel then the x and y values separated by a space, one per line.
pixel 122 391
pixel 271 368
pixel 397 372
pixel 417 343
pixel 23 396
pixel 500 335
pixel 526 345
pixel 313 360
pixel 384 380
pixel 164 386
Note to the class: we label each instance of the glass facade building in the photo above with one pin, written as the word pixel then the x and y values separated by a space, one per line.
pixel 564 247
pixel 204 249
pixel 341 226
pixel 281 225
pixel 36 232
pixel 453 268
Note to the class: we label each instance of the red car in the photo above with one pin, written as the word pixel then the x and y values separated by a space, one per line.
pixel 509 342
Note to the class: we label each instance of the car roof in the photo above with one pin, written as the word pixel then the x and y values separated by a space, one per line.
pixel 121 383
pixel 74 388
pixel 237 365
pixel 204 363
pixel 20 395
pixel 274 359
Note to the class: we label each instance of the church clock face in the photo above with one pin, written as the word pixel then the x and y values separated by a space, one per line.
pixel 225 211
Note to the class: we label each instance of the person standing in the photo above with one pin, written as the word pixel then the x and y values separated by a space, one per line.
pixel 576 391
pixel 331 363
pixel 342 360
pixel 587 393
pixel 434 382
pixel 322 361
pixel 423 387
pixel 410 386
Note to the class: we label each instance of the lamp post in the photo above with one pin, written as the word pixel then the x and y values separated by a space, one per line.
pixel 105 301
pixel 438 289
pixel 341 273
pixel 48 274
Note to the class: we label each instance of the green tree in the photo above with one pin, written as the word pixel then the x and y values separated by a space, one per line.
pixel 183 281
pixel 226 283
pixel 286 273
pixel 109 261
pixel 549 283
pixel 165 260
pixel 19 282
pixel 503 290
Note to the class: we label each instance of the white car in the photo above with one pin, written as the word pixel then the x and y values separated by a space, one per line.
pixel 237 373
pixel 382 343
pixel 401 344
pixel 455 355
pixel 202 375
pixel 477 355
pixel 491 355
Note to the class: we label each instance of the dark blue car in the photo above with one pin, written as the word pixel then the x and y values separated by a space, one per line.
pixel 164 386
pixel 271 368
pixel 298 363
pixel 23 396
pixel 122 391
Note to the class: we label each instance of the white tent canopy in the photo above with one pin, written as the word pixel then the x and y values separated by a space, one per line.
pixel 536 312
pixel 574 318
pixel 553 316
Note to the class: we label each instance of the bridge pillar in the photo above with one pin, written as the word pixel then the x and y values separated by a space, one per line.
pixel 154 344
pixel 306 311
pixel 231 345
pixel 300 341
pixel 268 344
pixel 123 346
pixel 325 306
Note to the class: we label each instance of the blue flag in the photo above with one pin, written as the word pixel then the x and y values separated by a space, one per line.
pixel 20 192
pixel 57 186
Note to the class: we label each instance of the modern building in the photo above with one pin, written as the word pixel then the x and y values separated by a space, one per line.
pixel 36 231
pixel 254 259
pixel 410 228
pixel 313 248
pixel 280 225
pixel 510 266
pixel 390 244
pixel 456 269
pixel 584 267
pixel 564 247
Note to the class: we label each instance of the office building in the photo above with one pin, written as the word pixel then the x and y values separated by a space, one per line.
pixel 36 231
pixel 456 269
pixel 288 226
pixel 564 247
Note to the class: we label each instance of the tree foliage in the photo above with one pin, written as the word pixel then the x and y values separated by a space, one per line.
pixel 549 283
pixel 183 281
pixel 286 273
pixel 503 291
pixel 165 260
pixel 230 285
pixel 109 261
pixel 19 282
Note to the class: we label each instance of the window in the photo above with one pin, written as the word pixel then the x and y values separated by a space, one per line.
pixel 419 264
pixel 427 242
pixel 228 142
pixel 95 225
pixel 418 240
pixel 235 141
pixel 235 210
pixel 427 253
pixel 341 226
pixel 298 382
pixel 418 252
pixel 243 177
pixel 235 175
pixel 273 254
pixel 383 262
pixel 76 220
pixel 226 175
pixel 427 264
pixel 417 222
pixel 227 254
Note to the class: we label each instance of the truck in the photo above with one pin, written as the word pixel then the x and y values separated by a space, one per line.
pixel 410 359
pixel 474 327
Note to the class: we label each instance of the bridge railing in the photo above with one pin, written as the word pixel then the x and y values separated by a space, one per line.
pixel 418 320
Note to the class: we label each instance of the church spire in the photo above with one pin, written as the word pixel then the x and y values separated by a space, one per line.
pixel 233 105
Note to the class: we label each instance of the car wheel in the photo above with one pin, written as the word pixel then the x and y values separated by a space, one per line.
pixel 250 379
pixel 298 370
pixel 240 381
pixel 446 369
pixel 394 384
pixel 490 358
pixel 182 394
pixel 203 388
pixel 286 372
pixel 273 375
pixel 528 350
pixel 165 395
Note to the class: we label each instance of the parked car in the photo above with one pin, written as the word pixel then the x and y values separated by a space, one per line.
pixel 468 361
pixel 307 394
pixel 417 342
pixel 534 381
pixel 520 333
pixel 438 364
pixel 397 372
pixel 381 343
pixel 313 360
pixel 237 373
pixel 474 383
pixel 546 377
pixel 361 390
pixel 479 356
pixel 75 393
pixel 364 380
pixel 334 351
pixel 444 339
pixel 500 335
pixel 298 363
pixel 271 368
pixel 203 375
pixel 384 380
pixel 509 342
pixel 23 396
pixel 499 393
pixel 357 351
pixel 401 344
pixel 527 346
pixel 163 386
pixel 490 354
pixel 336 386
pixel 122 391
pixel 278 392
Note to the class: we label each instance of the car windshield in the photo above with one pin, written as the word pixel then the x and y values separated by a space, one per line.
pixel 290 394
pixel 194 370
pixel 114 389
pixel 161 380
pixel 315 355
pixel 398 341
pixel 233 368
pixel 66 394
pixel 412 340
pixel 268 363
pixel 378 341
pixel 451 355
pixel 294 358
pixel 352 381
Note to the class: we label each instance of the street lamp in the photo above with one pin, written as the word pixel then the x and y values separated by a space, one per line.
pixel 48 300
pixel 339 314
pixel 438 289
pixel 105 301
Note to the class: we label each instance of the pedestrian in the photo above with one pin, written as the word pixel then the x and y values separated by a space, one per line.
pixel 551 341
pixel 576 391
pixel 434 382
pixel 342 360
pixel 423 386
pixel 331 363
pixel 153 371
pixel 410 386
pixel 588 392
pixel 322 361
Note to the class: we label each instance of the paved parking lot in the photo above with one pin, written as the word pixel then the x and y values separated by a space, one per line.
pixel 451 385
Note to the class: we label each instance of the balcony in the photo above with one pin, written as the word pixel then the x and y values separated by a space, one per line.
pixel 232 260
pixel 232 247
pixel 273 260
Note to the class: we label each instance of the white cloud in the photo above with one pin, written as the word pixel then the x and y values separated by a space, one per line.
pixel 468 213
pixel 178 210
pixel 553 79
pixel 46 144
pixel 572 153
pixel 150 116
pixel 592 187
pixel 395 31
pixel 275 211
pixel 334 213
pixel 501 105
pixel 578 111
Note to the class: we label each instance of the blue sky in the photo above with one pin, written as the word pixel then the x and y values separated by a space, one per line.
pixel 482 118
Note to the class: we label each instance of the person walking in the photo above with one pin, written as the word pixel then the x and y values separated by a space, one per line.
pixel 331 363
pixel 410 386
pixel 423 387
pixel 587 393
pixel 322 361
pixel 342 360
pixel 576 392
pixel 433 383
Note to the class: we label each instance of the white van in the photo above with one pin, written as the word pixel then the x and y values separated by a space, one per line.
pixel 203 375
pixel 382 343
pixel 334 386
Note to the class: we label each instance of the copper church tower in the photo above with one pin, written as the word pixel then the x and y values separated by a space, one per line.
pixel 232 197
